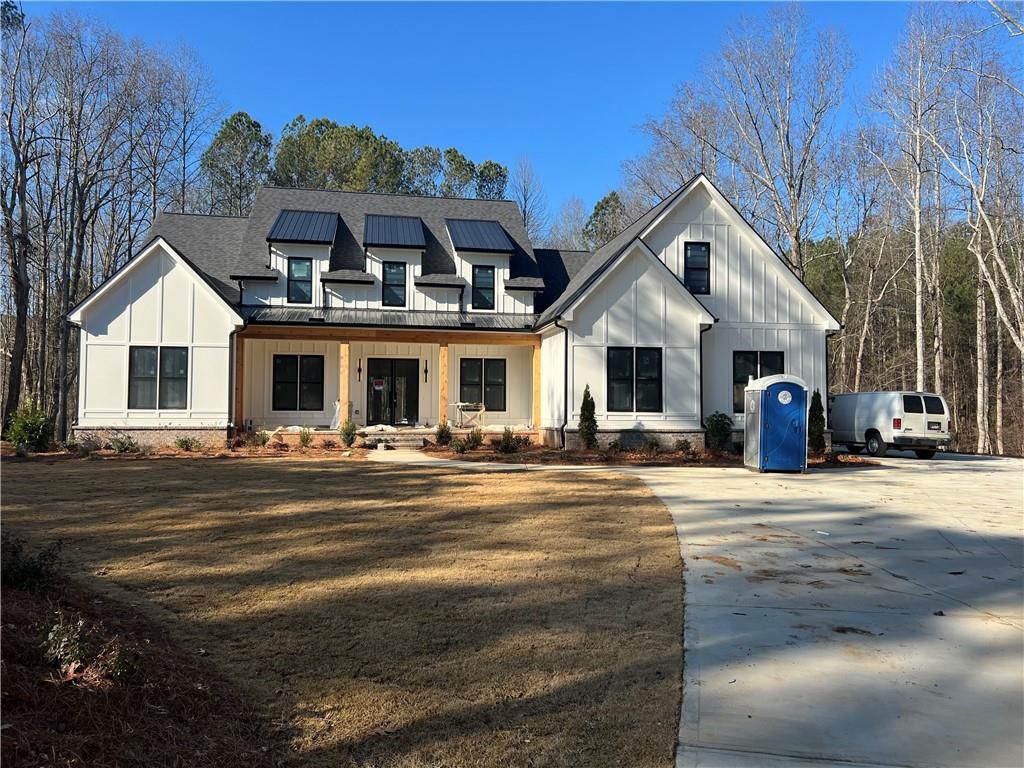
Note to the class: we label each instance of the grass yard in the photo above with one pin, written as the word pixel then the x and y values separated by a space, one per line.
pixel 382 615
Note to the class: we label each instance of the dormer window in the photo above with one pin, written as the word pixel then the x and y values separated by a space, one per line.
pixel 300 281
pixel 393 284
pixel 697 268
pixel 483 287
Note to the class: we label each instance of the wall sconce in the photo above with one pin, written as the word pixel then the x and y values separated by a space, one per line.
pixel 359 369
pixel 425 371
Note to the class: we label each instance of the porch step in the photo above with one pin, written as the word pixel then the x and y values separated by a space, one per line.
pixel 395 441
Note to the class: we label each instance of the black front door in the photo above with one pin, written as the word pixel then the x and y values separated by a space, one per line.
pixel 392 391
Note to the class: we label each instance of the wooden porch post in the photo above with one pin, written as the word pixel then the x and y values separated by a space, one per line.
pixel 536 390
pixel 442 382
pixel 344 396
pixel 239 419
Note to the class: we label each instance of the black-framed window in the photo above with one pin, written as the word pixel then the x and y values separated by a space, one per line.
pixel 300 281
pixel 483 380
pixel 393 284
pixel 483 287
pixel 697 267
pixel 634 379
pixel 158 378
pixel 298 383
pixel 746 364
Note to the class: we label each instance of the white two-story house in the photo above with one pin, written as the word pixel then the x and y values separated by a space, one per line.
pixel 401 310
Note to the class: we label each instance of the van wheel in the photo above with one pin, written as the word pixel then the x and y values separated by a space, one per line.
pixel 855 448
pixel 876 445
pixel 924 453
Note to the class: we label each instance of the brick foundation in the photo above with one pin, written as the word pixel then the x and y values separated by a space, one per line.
pixel 632 438
pixel 156 437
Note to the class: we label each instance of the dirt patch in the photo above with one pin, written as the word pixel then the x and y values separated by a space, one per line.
pixel 392 616
pixel 728 562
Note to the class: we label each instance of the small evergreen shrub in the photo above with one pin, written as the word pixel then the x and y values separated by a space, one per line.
pixel 508 442
pixel 21 570
pixel 443 436
pixel 616 445
pixel 718 432
pixel 684 446
pixel 328 444
pixel 69 642
pixel 474 439
pixel 458 445
pixel 30 428
pixel 305 437
pixel 816 425
pixel 588 421
pixel 188 444
pixel 348 433
pixel 117 660
pixel 124 444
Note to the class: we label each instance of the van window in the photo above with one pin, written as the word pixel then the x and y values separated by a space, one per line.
pixel 933 404
pixel 912 404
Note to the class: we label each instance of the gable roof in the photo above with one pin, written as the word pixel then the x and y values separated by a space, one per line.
pixel 557 266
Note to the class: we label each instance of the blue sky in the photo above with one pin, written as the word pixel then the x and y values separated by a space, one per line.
pixel 566 83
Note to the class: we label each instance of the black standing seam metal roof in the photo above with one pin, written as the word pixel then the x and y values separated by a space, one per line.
pixel 467 321
pixel 393 231
pixel 304 227
pixel 476 235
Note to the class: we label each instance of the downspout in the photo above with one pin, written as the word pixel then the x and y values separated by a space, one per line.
pixel 700 342
pixel 565 382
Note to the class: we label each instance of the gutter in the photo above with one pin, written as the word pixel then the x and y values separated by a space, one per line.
pixel 565 381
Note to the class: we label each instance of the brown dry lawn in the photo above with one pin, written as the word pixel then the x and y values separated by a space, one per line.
pixel 393 616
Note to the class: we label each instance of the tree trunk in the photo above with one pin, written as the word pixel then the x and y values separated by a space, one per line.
pixel 999 388
pixel 981 369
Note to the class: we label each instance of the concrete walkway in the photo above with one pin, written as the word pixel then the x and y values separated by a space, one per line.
pixel 863 616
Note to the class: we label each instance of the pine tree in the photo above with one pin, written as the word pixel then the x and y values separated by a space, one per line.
pixel 816 425
pixel 588 422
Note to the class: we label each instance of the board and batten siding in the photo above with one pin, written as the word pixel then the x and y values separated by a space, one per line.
pixel 417 297
pixel 258 381
pixel 759 303
pixel 275 294
pixel 552 379
pixel 158 302
pixel 635 305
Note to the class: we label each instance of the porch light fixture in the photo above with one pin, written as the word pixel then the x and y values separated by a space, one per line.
pixel 359 369
pixel 425 371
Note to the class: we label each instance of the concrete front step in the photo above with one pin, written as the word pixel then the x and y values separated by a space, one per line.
pixel 395 441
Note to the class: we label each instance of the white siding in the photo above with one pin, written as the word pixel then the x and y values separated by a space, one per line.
pixel 434 299
pixel 552 379
pixel 159 302
pixel 276 294
pixel 518 381
pixel 257 394
pixel 636 305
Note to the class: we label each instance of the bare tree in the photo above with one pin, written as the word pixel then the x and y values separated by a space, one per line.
pixel 528 193
pixel 566 230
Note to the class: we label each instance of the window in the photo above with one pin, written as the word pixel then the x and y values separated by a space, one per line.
pixel 933 405
pixel 482 380
pixel 912 404
pixel 634 379
pixel 756 365
pixel 158 377
pixel 393 284
pixel 697 267
pixel 298 383
pixel 300 281
pixel 483 287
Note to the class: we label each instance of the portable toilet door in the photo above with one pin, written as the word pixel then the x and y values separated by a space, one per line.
pixel 782 423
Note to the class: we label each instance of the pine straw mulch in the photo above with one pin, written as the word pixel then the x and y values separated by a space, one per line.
pixel 172 710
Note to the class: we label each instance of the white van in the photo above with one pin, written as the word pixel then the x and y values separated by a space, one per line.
pixel 881 420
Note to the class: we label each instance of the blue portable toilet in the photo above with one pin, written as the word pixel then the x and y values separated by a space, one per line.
pixel 775 424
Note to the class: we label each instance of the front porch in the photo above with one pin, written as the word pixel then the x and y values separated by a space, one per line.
pixel 386 381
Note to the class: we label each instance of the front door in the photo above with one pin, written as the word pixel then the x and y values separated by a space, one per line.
pixel 392 391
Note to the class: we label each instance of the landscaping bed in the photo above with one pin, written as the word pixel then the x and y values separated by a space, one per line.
pixel 388 616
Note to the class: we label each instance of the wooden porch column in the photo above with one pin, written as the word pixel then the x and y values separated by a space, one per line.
pixel 344 396
pixel 536 390
pixel 442 382
pixel 239 419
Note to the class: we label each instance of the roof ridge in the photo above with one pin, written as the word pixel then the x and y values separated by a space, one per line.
pixel 201 215
pixel 389 194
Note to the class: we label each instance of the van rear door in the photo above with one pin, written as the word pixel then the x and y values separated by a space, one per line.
pixel 936 417
pixel 913 417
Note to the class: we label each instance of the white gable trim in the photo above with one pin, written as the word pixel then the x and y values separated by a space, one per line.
pixel 75 316
pixel 767 251
pixel 639 246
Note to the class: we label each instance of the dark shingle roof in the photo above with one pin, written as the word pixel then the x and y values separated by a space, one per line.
pixel 304 227
pixel 557 266
pixel 449 281
pixel 469 321
pixel 210 243
pixel 393 231
pixel 479 236
pixel 346 276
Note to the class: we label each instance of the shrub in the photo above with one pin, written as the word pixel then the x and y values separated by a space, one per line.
pixel 816 425
pixel 83 445
pixel 237 442
pixel 616 445
pixel 24 571
pixel 117 660
pixel 348 433
pixel 305 437
pixel 651 447
pixel 508 442
pixel 684 446
pixel 124 444
pixel 68 642
pixel 718 432
pixel 458 445
pixel 30 427
pixel 474 439
pixel 329 444
pixel 280 445
pixel 443 434
pixel 188 444
pixel 259 438
pixel 588 422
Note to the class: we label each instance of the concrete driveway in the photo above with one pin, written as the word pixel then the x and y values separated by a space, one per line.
pixel 867 616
